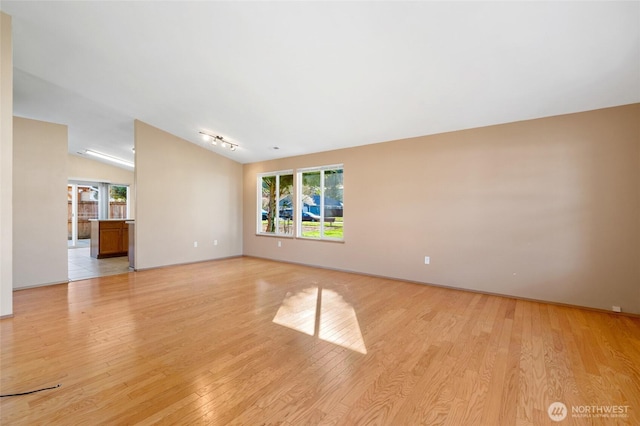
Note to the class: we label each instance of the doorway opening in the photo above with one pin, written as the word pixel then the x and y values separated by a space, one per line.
pixel 89 201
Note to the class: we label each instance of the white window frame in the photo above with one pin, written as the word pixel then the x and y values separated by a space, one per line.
pixel 277 232
pixel 298 203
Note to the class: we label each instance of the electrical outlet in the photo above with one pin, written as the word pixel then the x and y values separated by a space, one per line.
pixel 215 242
pixel 279 243
pixel 195 244
pixel 427 260
pixel 615 308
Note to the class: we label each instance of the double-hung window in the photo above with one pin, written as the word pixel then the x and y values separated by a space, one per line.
pixel 320 201
pixel 275 202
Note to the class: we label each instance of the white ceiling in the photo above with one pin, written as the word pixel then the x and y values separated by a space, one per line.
pixel 315 76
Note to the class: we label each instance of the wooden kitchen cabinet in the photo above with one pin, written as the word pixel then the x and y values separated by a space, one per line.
pixel 109 238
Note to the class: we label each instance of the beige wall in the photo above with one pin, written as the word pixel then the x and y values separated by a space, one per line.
pixel 86 170
pixel 39 203
pixel 185 193
pixel 6 166
pixel 81 168
pixel 545 209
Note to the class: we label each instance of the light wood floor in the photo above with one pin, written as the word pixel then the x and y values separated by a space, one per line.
pixel 250 342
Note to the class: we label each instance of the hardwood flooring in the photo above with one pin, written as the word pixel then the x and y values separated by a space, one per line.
pixel 250 342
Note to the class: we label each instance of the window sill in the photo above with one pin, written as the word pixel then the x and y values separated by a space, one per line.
pixel 325 240
pixel 259 234
pixel 292 237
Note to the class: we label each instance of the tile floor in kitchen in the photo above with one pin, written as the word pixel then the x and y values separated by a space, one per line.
pixel 83 266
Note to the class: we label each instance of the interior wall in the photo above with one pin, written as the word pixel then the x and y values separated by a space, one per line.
pixel 39 203
pixel 6 166
pixel 86 170
pixel 185 194
pixel 545 209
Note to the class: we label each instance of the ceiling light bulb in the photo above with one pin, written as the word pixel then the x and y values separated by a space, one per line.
pixel 224 144
pixel 233 148
pixel 206 137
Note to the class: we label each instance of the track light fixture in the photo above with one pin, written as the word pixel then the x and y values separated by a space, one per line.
pixel 216 139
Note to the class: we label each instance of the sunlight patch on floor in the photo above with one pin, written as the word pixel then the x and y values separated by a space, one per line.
pixel 322 313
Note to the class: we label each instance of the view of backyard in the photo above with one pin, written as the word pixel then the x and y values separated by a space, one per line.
pixel 87 207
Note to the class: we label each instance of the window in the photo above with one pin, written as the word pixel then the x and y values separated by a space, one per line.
pixel 320 197
pixel 118 202
pixel 275 193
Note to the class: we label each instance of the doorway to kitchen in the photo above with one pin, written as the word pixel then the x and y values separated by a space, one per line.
pixel 88 201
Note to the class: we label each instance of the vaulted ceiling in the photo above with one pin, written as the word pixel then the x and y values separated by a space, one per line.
pixel 314 76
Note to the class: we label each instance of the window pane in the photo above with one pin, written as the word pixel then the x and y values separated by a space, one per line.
pixel 310 200
pixel 285 204
pixel 117 202
pixel 269 200
pixel 276 215
pixel 321 198
pixel 333 206
pixel 87 209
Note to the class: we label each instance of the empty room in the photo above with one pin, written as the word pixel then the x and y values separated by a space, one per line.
pixel 314 213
